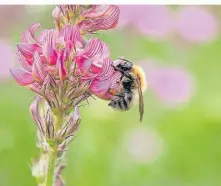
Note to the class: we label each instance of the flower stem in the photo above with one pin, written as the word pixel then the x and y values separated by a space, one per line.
pixel 51 168
pixel 52 152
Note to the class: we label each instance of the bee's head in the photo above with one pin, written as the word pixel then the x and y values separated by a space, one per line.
pixel 124 64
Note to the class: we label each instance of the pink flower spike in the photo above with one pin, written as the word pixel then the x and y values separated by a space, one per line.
pixel 52 56
pixel 27 50
pixel 22 77
pixel 38 68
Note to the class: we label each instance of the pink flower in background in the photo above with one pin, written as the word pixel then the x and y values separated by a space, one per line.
pixel 155 21
pixel 196 24
pixel 172 85
pixel 144 145
pixel 7 60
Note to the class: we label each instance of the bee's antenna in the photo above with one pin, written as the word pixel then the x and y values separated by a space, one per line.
pixel 125 60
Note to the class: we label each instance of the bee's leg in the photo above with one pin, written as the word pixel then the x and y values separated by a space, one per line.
pixel 119 94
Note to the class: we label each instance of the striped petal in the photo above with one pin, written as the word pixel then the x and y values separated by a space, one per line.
pixel 38 68
pixel 95 11
pixel 22 77
pixel 21 59
pixel 27 50
pixel 28 36
pixel 71 35
pixel 36 87
pixel 50 39
pixel 108 21
pixel 99 88
pixel 41 36
pixel 93 47
pixel 107 70
pixel 106 50
pixel 115 80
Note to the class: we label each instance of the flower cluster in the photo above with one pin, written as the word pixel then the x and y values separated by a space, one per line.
pixel 64 69
pixel 89 18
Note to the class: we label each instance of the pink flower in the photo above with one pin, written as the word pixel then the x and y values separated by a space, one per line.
pixel 196 24
pixel 89 18
pixel 63 55
pixel 172 85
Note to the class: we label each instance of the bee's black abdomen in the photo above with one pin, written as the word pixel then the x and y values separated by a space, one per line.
pixel 125 104
pixel 122 103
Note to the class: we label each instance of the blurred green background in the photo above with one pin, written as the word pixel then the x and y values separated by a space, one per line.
pixel 174 145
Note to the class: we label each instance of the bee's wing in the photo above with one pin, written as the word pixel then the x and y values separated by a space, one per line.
pixel 141 102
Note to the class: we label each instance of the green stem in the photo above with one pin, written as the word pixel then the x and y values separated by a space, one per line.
pixel 49 181
pixel 53 150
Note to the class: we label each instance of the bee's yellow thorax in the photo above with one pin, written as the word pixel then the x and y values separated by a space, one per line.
pixel 138 71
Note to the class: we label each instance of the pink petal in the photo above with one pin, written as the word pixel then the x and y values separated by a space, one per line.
pixel 22 77
pixel 51 55
pixel 96 11
pixel 106 50
pixel 28 36
pixel 23 62
pixel 99 87
pixel 42 35
pixel 107 70
pixel 61 66
pixel 83 63
pixel 71 35
pixel 38 68
pixel 115 80
pixel 50 39
pixel 108 21
pixel 36 87
pixel 93 47
pixel 27 50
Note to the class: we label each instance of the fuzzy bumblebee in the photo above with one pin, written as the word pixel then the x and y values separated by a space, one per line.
pixel 132 83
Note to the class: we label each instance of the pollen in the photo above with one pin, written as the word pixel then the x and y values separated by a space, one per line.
pixel 141 75
pixel 112 91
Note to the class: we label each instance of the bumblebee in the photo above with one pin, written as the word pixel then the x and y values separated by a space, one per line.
pixel 132 83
